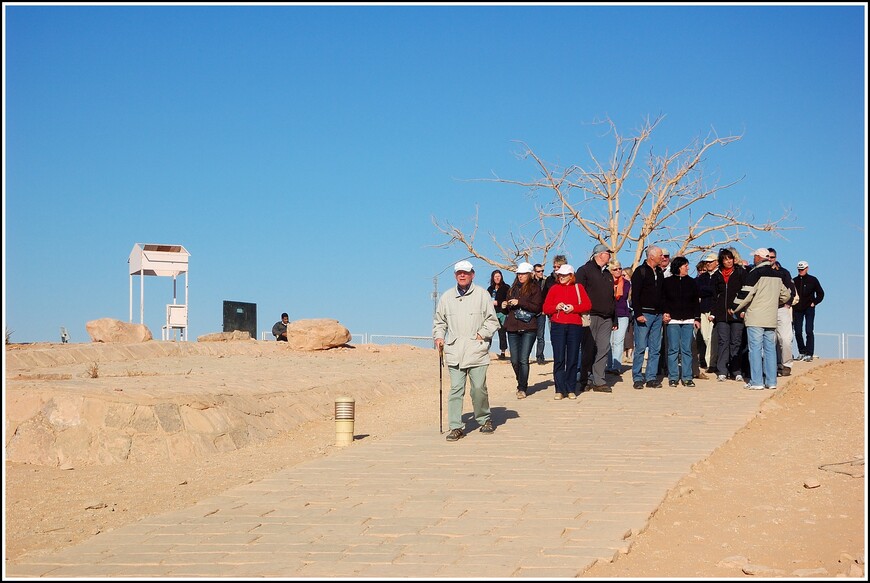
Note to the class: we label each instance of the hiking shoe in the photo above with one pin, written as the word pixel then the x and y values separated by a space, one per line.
pixel 455 435
pixel 721 378
pixel 487 427
pixel 638 384
pixel 672 383
pixel 654 384
pixel 602 389
pixel 739 378
pixel 753 387
pixel 572 395
pixel 558 396
pixel 542 361
pixel 785 372
pixel 689 383
pixel 701 377
pixel 521 395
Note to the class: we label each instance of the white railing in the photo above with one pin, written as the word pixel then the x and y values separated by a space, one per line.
pixel 419 341
pixel 842 345
pixel 828 345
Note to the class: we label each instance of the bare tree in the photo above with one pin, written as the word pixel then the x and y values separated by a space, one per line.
pixel 662 200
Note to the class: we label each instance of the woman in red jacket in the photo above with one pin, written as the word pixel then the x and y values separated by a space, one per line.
pixel 564 303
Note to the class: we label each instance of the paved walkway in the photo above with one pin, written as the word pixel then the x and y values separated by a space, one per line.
pixel 558 486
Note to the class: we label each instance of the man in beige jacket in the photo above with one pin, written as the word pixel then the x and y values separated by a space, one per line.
pixel 757 303
pixel 464 323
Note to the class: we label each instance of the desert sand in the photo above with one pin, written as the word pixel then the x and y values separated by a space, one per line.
pixel 787 493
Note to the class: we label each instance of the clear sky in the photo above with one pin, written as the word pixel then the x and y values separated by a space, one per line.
pixel 299 153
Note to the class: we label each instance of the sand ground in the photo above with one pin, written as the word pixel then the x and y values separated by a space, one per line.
pixel 789 489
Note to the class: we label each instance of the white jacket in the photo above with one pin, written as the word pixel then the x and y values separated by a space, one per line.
pixel 459 320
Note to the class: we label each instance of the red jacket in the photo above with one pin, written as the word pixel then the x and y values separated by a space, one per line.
pixel 567 294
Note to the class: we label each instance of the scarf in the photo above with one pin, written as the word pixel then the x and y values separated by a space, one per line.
pixel 618 287
pixel 726 273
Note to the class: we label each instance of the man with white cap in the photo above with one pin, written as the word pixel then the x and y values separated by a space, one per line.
pixel 757 303
pixel 810 294
pixel 463 327
pixel 706 292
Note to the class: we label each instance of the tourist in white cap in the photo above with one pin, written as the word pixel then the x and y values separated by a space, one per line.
pixel 757 303
pixel 564 304
pixel 706 268
pixel 463 327
pixel 810 294
pixel 524 303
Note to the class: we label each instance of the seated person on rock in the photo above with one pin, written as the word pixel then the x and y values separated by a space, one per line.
pixel 279 330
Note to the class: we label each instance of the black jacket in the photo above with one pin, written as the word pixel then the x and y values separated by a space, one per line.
pixel 499 296
pixel 680 298
pixel 598 282
pixel 809 291
pixel 706 291
pixel 726 293
pixel 786 279
pixel 646 290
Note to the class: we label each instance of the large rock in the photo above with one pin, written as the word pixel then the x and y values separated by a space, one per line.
pixel 316 334
pixel 111 330
pixel 225 336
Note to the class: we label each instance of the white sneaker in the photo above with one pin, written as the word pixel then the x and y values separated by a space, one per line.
pixel 754 387
pixel 721 378
pixel 739 378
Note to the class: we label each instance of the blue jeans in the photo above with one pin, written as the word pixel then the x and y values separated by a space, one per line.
pixel 647 336
pixel 521 347
pixel 617 344
pixel 565 339
pixel 798 322
pixel 542 328
pixel 680 345
pixel 762 356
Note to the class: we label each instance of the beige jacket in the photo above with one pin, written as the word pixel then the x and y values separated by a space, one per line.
pixel 459 320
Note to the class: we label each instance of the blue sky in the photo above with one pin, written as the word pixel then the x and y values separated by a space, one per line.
pixel 299 153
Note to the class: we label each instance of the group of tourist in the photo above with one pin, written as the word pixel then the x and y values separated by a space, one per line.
pixel 734 318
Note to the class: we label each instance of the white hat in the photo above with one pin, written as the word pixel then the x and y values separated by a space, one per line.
pixel 565 270
pixel 525 268
pixel 463 266
pixel 803 264
pixel 762 252
pixel 711 257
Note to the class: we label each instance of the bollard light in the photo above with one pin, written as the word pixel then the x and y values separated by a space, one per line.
pixel 344 415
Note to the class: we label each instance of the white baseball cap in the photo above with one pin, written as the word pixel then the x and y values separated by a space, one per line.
pixel 565 270
pixel 803 265
pixel 762 252
pixel 463 266
pixel 525 268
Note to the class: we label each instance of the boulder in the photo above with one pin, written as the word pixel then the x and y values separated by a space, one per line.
pixel 111 330
pixel 316 334
pixel 225 336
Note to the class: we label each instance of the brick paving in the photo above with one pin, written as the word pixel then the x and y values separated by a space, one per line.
pixel 557 487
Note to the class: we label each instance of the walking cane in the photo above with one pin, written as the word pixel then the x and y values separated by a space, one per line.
pixel 440 389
